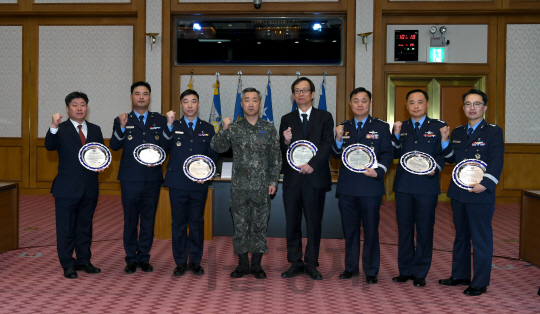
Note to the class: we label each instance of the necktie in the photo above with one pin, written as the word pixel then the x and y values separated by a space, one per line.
pixel 81 135
pixel 304 122
pixel 141 118
pixel 417 127
pixel 359 129
pixel 190 125
pixel 470 133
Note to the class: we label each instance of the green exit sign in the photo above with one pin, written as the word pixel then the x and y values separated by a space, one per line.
pixel 437 54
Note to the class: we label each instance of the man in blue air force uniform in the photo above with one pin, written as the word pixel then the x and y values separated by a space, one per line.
pixel 473 209
pixel 191 136
pixel 139 184
pixel 360 194
pixel 416 195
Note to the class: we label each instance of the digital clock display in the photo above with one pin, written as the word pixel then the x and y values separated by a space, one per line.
pixel 406 45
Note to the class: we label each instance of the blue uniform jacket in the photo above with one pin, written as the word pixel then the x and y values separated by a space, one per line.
pixel 427 141
pixel 375 134
pixel 182 146
pixel 73 180
pixel 487 143
pixel 154 131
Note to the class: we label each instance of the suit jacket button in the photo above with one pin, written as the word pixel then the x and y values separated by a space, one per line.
pixel 144 141
pixel 191 141
pixel 190 149
pixel 465 150
pixel 143 133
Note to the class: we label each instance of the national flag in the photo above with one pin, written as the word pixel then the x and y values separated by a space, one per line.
pixel 215 113
pixel 294 105
pixel 322 100
pixel 268 115
pixel 238 111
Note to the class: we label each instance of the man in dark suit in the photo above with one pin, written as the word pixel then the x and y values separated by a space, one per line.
pixel 305 190
pixel 139 184
pixel 473 209
pixel 360 194
pixel 416 195
pixel 75 188
pixel 191 136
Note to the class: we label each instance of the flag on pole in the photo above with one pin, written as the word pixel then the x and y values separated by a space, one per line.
pixel 215 113
pixel 238 111
pixel 268 115
pixel 322 100
pixel 294 105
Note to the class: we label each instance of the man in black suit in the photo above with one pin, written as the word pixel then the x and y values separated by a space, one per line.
pixel 191 136
pixel 75 188
pixel 305 190
pixel 139 184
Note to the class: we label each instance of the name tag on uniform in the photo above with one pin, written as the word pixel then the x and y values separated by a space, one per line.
pixel 346 136
pixel 155 127
pixel 262 133
pixel 456 141
pixel 478 144
pixel 178 132
pixel 403 134
pixel 130 126
pixel 239 135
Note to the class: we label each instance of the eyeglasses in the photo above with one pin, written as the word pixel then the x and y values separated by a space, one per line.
pixel 302 91
pixel 475 104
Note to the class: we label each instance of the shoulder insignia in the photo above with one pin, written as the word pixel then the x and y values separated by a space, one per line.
pixel 461 126
pixel 492 125
pixel 380 120
pixel 441 121
pixel 346 122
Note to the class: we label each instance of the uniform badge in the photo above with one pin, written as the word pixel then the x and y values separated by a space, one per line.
pixel 155 127
pixel 478 144
pixel 456 141
pixel 346 136
pixel 130 137
pixel 403 134
pixel 372 135
pixel 130 126
pixel 178 132
pixel 178 143
pixel 203 134
pixel 477 156
pixel 157 137
pixel 429 134
pixel 347 133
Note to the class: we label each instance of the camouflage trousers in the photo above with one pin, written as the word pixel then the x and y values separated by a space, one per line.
pixel 250 211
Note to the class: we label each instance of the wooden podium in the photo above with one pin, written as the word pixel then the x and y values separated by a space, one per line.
pixel 163 229
pixel 9 216
pixel 529 233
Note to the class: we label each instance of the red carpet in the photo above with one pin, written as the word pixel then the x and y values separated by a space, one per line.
pixel 36 285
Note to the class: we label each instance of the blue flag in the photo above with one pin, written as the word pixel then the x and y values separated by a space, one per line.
pixel 215 113
pixel 322 100
pixel 294 105
pixel 268 115
pixel 238 111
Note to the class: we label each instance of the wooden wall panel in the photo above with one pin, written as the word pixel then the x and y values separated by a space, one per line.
pixel 11 159
pixel 521 171
pixel 452 105
pixel 46 164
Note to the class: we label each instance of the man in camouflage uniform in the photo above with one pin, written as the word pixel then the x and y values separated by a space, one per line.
pixel 255 174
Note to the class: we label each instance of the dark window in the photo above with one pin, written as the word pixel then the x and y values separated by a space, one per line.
pixel 259 41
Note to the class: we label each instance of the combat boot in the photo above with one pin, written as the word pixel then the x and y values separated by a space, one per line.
pixel 256 268
pixel 243 266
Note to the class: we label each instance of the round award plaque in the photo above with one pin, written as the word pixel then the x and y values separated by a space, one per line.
pixel 94 156
pixel 418 163
pixel 199 167
pixel 149 154
pixel 300 153
pixel 358 156
pixel 467 172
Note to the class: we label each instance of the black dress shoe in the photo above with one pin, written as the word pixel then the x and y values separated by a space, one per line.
pixel 372 280
pixel 89 268
pixel 130 268
pixel 347 275
pixel 475 291
pixel 196 269
pixel 180 270
pixel 313 273
pixel 70 272
pixel 454 282
pixel 419 282
pixel 292 272
pixel 402 278
pixel 146 267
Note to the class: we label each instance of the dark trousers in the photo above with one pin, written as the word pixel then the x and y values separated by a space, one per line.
pixel 415 212
pixel 308 200
pixel 139 199
pixel 187 208
pixel 74 229
pixel 356 212
pixel 473 223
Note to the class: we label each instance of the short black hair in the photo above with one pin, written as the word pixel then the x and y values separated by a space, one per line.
pixel 417 91
pixel 360 90
pixel 300 79
pixel 249 90
pixel 189 92
pixel 475 91
pixel 75 95
pixel 140 83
